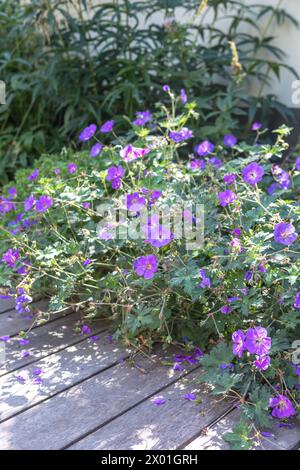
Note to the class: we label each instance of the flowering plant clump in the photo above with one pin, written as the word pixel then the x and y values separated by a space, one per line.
pixel 97 230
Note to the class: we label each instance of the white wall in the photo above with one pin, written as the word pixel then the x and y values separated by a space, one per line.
pixel 288 39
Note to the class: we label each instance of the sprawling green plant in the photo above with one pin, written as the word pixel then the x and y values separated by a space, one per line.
pixel 75 229
pixel 67 62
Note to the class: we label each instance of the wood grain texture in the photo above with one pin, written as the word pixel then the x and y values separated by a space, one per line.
pixel 168 426
pixel 47 339
pixel 57 422
pixel 12 322
pixel 283 438
pixel 93 397
pixel 60 371
pixel 6 305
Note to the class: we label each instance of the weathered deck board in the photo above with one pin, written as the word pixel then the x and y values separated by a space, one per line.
pixel 6 305
pixel 90 398
pixel 60 371
pixel 159 427
pixel 68 416
pixel 47 339
pixel 283 438
pixel 12 322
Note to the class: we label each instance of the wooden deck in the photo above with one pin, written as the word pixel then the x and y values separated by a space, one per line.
pixel 95 394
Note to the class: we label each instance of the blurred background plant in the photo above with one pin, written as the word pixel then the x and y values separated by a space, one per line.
pixel 70 62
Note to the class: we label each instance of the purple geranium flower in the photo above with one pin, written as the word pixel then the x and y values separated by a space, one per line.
pixel 37 371
pixel 196 164
pixel 6 205
pixel 277 170
pixel 226 309
pixel 142 118
pixel 284 180
pixel 116 183
pixel 96 150
pixel 216 162
pixel 20 379
pixel 29 203
pixel 85 330
pixel 188 216
pixel 226 366
pixel 230 178
pixel 24 341
pixel 204 148
pixel 5 338
pixel 177 366
pixel 153 196
pixel 72 168
pixel 236 232
pixel 226 197
pixel 43 203
pixel 262 268
pixel 57 171
pixel 266 434
pixel 285 233
pixel 282 407
pixel 86 262
pixel 25 268
pixel 159 401
pixel 115 172
pixel 156 234
pixel 37 381
pixel 253 173
pixel 183 96
pixel 257 341
pixel 5 297
pixel 130 153
pixel 135 202
pixel 298 164
pixel 230 140
pixel 33 176
pixel 262 362
pixel 146 266
pixel 183 134
pixel 198 352
pixel 88 133
pixel 86 205
pixel 238 338
pixel 25 353
pixel 297 300
pixel 166 88
pixel 12 192
pixel 94 338
pixel 205 279
pixel 256 126
pixel 272 188
pixel 190 396
pixel 107 126
pixel 22 302
pixel 159 236
pixel 106 232
pixel 10 257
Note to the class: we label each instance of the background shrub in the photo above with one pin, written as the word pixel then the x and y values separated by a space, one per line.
pixel 70 62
